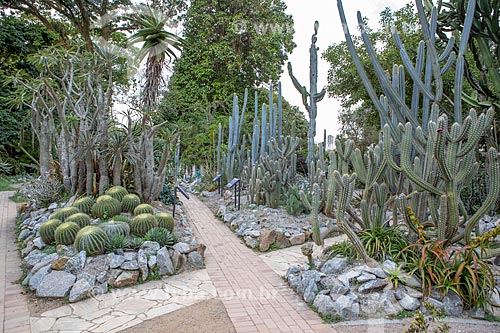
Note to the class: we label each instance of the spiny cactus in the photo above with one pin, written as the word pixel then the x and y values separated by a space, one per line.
pixel 143 209
pixel 142 223
pixel 122 218
pixel 318 240
pixel 115 228
pixel 84 204
pixel 130 202
pixel 106 207
pixel 117 192
pixel 64 213
pixel 92 239
pixel 81 219
pixel 161 236
pixel 65 233
pixel 47 230
pixel 165 220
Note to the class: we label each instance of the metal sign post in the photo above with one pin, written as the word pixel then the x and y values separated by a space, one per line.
pixel 237 191
pixel 218 179
pixel 183 192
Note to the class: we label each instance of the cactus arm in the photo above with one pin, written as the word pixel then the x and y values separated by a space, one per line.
pixel 263 142
pixel 388 150
pixel 305 200
pixel 280 114
pixel 449 63
pixel 418 68
pixel 448 50
pixel 318 240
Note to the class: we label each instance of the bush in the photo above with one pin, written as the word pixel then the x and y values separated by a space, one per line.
pixel 160 235
pixel 167 194
pixel 383 242
pixel 44 190
pixel 117 241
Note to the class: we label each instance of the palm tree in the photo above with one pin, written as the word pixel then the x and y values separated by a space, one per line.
pixel 159 48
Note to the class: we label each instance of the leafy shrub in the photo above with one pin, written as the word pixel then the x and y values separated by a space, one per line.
pixel 44 190
pixel 167 194
pixel 161 236
pixel 383 242
pixel 342 249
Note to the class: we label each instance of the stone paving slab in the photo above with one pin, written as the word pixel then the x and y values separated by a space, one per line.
pixel 14 314
pixel 255 297
pixel 127 307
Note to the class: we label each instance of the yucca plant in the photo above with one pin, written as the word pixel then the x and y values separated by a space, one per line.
pixel 63 213
pixel 84 204
pixel 383 243
pixel 92 239
pixel 165 220
pixel 117 192
pixel 117 241
pixel 115 228
pixel 65 233
pixel 106 207
pixel 142 223
pixel 160 235
pixel 47 230
pixel 143 209
pixel 129 202
pixel 81 219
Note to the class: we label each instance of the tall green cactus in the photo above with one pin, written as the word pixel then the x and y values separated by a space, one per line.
pixel 311 98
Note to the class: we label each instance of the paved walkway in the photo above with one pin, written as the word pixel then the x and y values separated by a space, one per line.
pixel 255 297
pixel 14 314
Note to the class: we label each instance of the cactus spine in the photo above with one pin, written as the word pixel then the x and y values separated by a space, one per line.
pixel 92 239
pixel 115 228
pixel 84 204
pixel 64 213
pixel 81 219
pixel 47 230
pixel 65 233
pixel 117 192
pixel 166 221
pixel 129 202
pixel 142 223
pixel 143 209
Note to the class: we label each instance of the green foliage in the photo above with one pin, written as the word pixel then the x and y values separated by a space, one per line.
pixel 47 230
pixel 63 213
pixel 294 205
pixel 92 239
pixel 160 235
pixel 421 323
pixel 143 209
pixel 81 219
pixel 65 233
pixel 167 194
pixel 44 190
pixel 142 223
pixel 136 242
pixel 18 197
pixel 166 220
pixel 115 228
pixel 342 249
pixel 383 242
pixel 50 249
pixel 129 202
pixel 84 204
pixel 122 218
pixel 117 241
pixel 117 192
pixel 106 207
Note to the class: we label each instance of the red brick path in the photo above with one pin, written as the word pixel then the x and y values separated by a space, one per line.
pixel 256 298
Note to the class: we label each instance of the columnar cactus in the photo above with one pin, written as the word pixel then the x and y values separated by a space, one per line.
pixel 64 213
pixel 65 233
pixel 129 202
pixel 84 204
pixel 115 228
pixel 92 239
pixel 143 209
pixel 81 219
pixel 166 221
pixel 47 230
pixel 106 207
pixel 117 192
pixel 142 223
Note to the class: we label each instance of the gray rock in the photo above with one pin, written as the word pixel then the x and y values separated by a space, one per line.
pixel 377 271
pixel 453 304
pixel 67 250
pixel 80 290
pixel 411 280
pixel 53 206
pixel 195 259
pixel 164 262
pixel 152 262
pixel 23 234
pixel 38 243
pixel 495 298
pixel 29 247
pixel 325 305
pixel 91 279
pixel 334 266
pixel 266 238
pixel 372 286
pixel 251 242
pixel 389 266
pixel 75 264
pixel 329 281
pixel 293 270
pixel 364 277
pixel 409 303
pixel 48 259
pixel 181 247
pixel 178 260
pixel 126 278
pixel 129 256
pixel 130 265
pixel 298 239
pixel 347 277
pixel 338 290
pixel 228 217
pixel 33 258
pixel 293 281
pixel 100 289
pixel 37 277
pixel 477 313
pixel 150 248
pixel 308 278
pixel 347 306
pixel 282 241
pixel 142 261
pixel 102 277
pixel 310 292
pixel 434 302
pixel 56 284
pixel 115 260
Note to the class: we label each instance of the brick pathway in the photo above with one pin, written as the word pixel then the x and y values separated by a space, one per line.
pixel 14 314
pixel 255 297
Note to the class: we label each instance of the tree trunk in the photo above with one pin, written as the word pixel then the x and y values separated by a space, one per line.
pixel 117 170
pixel 89 165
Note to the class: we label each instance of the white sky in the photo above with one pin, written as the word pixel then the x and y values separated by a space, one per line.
pixel 330 31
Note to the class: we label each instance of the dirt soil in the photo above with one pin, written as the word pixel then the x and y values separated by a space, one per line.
pixel 37 305
pixel 204 317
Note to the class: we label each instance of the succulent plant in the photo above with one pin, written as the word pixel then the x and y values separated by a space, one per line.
pixel 65 233
pixel 117 192
pixel 165 220
pixel 47 230
pixel 122 218
pixel 63 213
pixel 92 239
pixel 117 241
pixel 84 204
pixel 106 207
pixel 142 223
pixel 81 219
pixel 115 228
pixel 160 235
pixel 143 209
pixel 129 202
